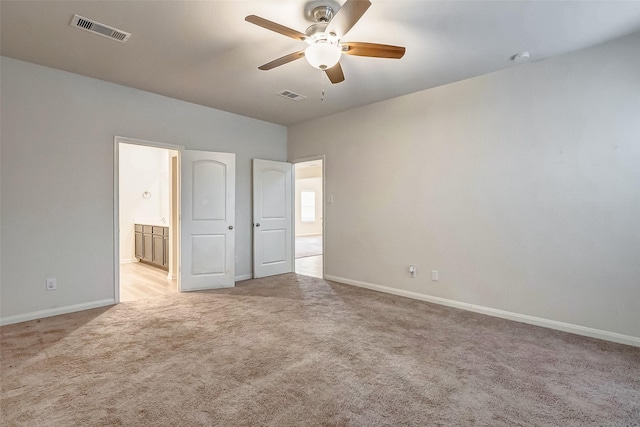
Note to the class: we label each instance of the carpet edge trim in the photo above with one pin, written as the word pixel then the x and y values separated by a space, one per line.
pixel 509 315
pixel 9 320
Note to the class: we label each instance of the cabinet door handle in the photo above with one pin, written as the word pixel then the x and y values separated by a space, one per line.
pixel 257 224
pixel 231 227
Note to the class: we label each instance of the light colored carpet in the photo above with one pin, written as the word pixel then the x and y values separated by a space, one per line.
pixel 298 351
pixel 308 246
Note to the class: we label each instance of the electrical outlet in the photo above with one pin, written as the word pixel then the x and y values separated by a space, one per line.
pixel 435 276
pixel 52 284
pixel 412 271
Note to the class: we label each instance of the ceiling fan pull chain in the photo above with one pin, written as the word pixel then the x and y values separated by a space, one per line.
pixel 322 83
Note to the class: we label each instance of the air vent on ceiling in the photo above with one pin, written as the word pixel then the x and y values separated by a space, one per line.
pixel 291 95
pixel 99 29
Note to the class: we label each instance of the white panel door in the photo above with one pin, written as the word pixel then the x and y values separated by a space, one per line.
pixel 272 218
pixel 208 216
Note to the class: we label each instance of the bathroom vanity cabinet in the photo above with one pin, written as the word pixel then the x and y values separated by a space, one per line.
pixel 152 245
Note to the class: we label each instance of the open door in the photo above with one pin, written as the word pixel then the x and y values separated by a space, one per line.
pixel 272 218
pixel 208 216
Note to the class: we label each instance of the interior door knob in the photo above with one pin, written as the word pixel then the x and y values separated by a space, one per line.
pixel 257 224
pixel 231 227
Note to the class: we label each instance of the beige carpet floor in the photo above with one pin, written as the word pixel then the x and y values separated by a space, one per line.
pixel 298 351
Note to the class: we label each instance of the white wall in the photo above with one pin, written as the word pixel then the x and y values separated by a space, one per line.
pixel 142 169
pixel 57 159
pixel 521 187
pixel 309 179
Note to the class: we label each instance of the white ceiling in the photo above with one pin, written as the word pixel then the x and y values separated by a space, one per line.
pixel 204 52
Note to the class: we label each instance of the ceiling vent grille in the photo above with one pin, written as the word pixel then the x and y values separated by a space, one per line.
pixel 291 95
pixel 99 29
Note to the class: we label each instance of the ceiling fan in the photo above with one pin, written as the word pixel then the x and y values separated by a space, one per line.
pixel 324 39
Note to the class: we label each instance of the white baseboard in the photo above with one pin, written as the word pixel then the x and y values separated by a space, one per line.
pixel 129 260
pixel 243 277
pixel 523 318
pixel 55 311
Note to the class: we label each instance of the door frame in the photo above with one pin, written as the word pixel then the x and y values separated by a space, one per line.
pixel 117 140
pixel 324 207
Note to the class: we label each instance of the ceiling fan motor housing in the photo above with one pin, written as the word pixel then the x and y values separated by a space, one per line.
pixel 316 33
pixel 322 13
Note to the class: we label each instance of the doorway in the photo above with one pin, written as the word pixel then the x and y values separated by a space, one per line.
pixel 309 217
pixel 147 214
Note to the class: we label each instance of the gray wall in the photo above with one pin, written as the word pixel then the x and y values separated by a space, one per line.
pixel 57 177
pixel 521 187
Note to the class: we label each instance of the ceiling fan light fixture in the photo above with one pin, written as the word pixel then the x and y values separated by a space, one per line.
pixel 324 37
pixel 323 55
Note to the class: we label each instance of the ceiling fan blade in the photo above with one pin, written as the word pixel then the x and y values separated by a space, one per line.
pixel 347 16
pixel 335 74
pixel 373 49
pixel 281 61
pixel 270 25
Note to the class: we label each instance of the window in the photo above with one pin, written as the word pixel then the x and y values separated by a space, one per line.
pixel 308 206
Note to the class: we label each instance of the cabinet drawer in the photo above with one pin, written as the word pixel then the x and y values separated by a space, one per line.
pixel 138 228
pixel 166 231
pixel 158 230
pixel 147 229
